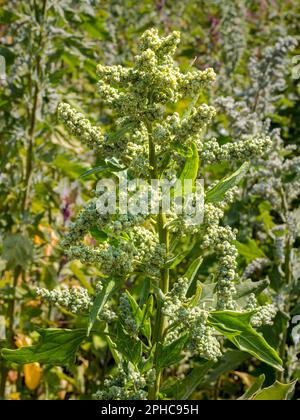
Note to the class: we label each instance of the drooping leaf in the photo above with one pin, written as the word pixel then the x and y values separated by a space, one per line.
pixel 277 391
pixel 170 353
pixel 236 327
pixel 216 194
pixel 56 347
pixel 100 300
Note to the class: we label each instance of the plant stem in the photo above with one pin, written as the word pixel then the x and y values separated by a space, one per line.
pixel 288 282
pixel 164 239
pixel 33 112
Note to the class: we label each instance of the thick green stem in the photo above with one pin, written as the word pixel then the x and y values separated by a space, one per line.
pixel 160 320
pixel 288 281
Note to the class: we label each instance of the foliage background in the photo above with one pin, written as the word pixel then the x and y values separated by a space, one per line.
pixel 51 50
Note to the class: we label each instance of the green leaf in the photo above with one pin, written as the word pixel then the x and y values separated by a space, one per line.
pixel 100 300
pixel 182 389
pixel 177 259
pixel 74 267
pixel 254 388
pixel 190 170
pixel 248 286
pixel 236 327
pixel 216 194
pixel 277 391
pixel 56 347
pixel 109 164
pixel 139 316
pixel 191 272
pixel 6 16
pixel 250 251
pixel 170 353
pixel 128 346
pixel 71 168
pixel 97 234
pixel 93 171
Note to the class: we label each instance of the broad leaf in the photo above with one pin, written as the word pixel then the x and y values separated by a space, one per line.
pixel 217 193
pixel 247 287
pixel 56 347
pixel 236 327
pixel 170 353
pixel 182 389
pixel 129 347
pixel 201 376
pixel 97 234
pixel 277 391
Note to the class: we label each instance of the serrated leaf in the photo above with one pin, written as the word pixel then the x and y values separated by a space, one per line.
pixel 236 327
pixel 170 353
pixel 277 391
pixel 217 193
pixel 129 347
pixel 100 300
pixel 56 347
pixel 248 286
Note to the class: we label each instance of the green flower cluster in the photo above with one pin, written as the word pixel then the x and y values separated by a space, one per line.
pixel 185 316
pixel 128 384
pixel 80 127
pixel 75 299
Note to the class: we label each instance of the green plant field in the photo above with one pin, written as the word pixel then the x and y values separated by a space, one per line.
pixel 149 199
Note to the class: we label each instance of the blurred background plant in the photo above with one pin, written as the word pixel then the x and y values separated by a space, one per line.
pixel 51 49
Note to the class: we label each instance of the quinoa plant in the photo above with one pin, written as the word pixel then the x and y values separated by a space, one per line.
pixel 152 318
